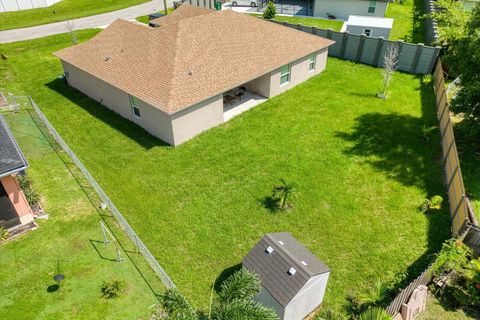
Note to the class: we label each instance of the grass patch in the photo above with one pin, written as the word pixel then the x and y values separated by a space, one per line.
pixel 311 22
pixel 71 237
pixel 436 310
pixel 408 24
pixel 64 10
pixel 360 166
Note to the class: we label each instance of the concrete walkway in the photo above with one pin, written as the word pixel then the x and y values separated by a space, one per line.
pixel 81 23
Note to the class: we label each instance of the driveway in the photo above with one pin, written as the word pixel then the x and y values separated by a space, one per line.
pixel 81 23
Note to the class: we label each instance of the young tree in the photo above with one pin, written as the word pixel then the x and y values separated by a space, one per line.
pixel 281 193
pixel 390 61
pixel 71 30
pixel 270 11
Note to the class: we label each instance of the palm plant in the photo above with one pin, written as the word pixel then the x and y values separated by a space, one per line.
pixel 281 193
pixel 329 314
pixel 427 131
pixel 376 295
pixel 375 313
pixel 235 303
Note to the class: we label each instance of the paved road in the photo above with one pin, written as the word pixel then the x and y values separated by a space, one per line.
pixel 81 23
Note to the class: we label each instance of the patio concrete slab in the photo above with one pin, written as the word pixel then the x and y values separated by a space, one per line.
pixel 248 101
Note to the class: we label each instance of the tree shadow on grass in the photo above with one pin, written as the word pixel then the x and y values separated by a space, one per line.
pixel 394 144
pixel 53 288
pixel 128 128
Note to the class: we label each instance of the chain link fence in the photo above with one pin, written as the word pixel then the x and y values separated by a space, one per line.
pixel 168 283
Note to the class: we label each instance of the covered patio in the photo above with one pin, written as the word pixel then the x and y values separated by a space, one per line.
pixel 239 100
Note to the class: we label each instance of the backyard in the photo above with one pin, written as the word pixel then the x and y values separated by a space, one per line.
pixel 360 168
pixel 408 23
pixel 69 242
pixel 64 10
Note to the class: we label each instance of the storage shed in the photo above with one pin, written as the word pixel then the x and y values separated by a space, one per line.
pixel 369 26
pixel 293 279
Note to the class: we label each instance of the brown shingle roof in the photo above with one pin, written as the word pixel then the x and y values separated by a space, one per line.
pixel 177 65
pixel 181 13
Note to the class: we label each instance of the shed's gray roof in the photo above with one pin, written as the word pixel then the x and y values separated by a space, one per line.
pixel 12 159
pixel 273 267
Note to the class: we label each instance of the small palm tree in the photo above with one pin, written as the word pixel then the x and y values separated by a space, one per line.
pixel 281 193
pixel 376 295
pixel 375 313
pixel 434 203
pixel 235 303
pixel 329 314
pixel 427 131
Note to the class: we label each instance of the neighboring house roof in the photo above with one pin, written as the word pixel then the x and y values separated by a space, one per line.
pixel 367 21
pixel 181 13
pixel 12 159
pixel 183 63
pixel 273 268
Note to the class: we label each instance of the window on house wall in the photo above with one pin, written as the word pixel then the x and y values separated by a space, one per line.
pixel 285 74
pixel 367 32
pixel 313 60
pixel 372 6
pixel 134 104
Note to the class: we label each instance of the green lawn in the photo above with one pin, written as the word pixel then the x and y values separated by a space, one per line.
pixel 436 311
pixel 311 22
pixel 70 236
pixel 359 164
pixel 64 10
pixel 408 24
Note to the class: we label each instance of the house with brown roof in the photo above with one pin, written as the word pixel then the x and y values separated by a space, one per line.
pixel 194 71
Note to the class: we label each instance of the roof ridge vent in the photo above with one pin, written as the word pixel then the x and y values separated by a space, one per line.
pixel 281 242
pixel 303 262
pixel 269 250
pixel 292 271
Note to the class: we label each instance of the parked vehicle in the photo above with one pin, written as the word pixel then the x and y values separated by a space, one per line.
pixel 244 3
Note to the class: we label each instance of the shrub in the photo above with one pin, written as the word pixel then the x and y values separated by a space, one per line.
pixel 375 313
pixel 32 196
pixel 375 295
pixel 4 234
pixel 434 203
pixel 281 194
pixel 113 288
pixel 270 11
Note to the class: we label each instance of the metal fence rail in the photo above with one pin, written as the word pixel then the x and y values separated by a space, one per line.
pixel 118 216
pixel 460 209
pixel 414 58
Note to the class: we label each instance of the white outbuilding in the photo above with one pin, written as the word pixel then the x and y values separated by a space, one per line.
pixel 369 26
pixel 293 279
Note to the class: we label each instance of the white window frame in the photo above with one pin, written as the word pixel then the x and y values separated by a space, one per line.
pixel 133 104
pixel 369 33
pixel 372 5
pixel 312 62
pixel 287 74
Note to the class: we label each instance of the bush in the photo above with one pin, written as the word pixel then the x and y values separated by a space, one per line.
pixel 113 288
pixel 4 234
pixel 270 11
pixel 32 196
pixel 462 272
pixel 434 203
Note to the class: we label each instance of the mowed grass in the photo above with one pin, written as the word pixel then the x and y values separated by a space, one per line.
pixel 408 21
pixel 359 164
pixel 310 22
pixel 64 10
pixel 68 243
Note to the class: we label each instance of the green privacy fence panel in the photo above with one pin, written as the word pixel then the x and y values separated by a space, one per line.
pixel 414 58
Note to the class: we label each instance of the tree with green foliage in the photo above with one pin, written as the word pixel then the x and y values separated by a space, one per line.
pixel 235 302
pixel 270 11
pixel 467 100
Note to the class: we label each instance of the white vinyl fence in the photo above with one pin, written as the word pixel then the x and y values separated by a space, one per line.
pixel 17 5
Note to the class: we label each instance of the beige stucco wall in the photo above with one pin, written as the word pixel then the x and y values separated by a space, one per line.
pixel 153 120
pixel 343 8
pixel 17 198
pixel 192 121
pixel 260 86
pixel 298 73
